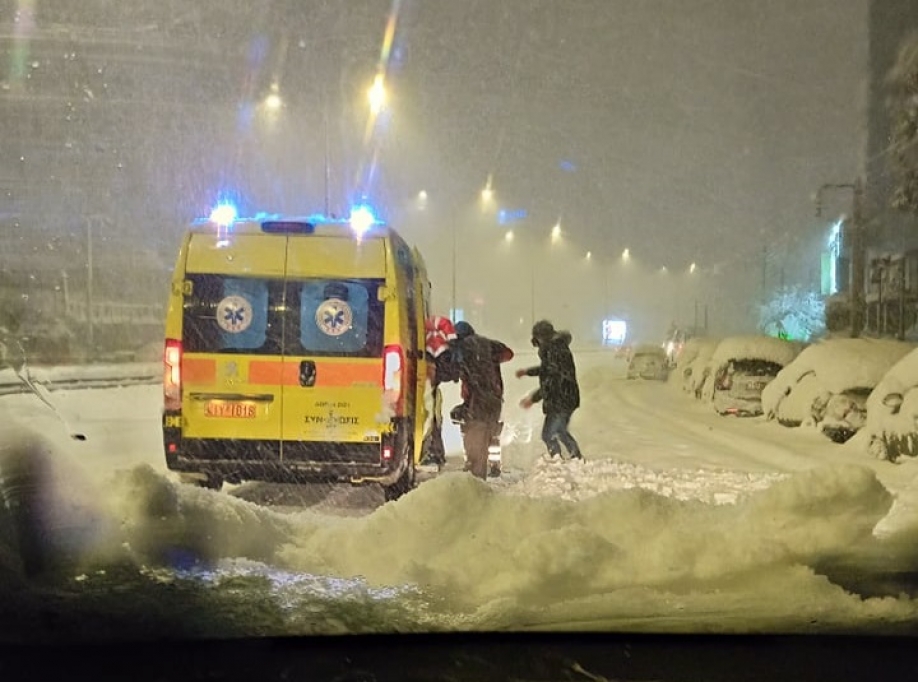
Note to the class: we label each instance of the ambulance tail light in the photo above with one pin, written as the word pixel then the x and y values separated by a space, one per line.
pixel 172 375
pixel 393 364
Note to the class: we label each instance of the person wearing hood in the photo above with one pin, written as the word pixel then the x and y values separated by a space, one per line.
pixel 478 360
pixel 558 389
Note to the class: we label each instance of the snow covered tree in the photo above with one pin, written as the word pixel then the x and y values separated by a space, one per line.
pixel 903 81
pixel 793 312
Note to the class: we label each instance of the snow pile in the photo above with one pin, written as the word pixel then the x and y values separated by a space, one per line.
pixel 576 480
pixel 164 522
pixel 830 367
pixel 460 553
pixel 533 552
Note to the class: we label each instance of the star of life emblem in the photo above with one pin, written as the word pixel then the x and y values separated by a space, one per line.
pixel 334 317
pixel 234 314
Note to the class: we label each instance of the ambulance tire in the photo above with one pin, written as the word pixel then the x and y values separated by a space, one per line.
pixel 212 482
pixel 403 485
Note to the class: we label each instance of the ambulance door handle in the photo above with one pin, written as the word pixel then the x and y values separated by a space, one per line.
pixel 307 373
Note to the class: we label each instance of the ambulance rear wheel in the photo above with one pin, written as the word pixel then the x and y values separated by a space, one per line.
pixel 403 485
pixel 209 481
pixel 212 482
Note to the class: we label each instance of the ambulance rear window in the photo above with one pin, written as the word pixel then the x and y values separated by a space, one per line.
pixel 335 317
pixel 233 315
pixel 320 317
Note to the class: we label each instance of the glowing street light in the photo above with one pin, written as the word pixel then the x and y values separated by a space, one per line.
pixel 422 200
pixel 556 233
pixel 377 94
pixel 692 268
pixel 508 237
pixel 589 255
pixel 273 101
pixel 487 194
pixel 626 255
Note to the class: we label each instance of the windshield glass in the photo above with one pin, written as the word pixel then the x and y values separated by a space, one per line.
pixel 485 389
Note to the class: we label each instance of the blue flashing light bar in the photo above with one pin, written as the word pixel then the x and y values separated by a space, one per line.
pixel 223 214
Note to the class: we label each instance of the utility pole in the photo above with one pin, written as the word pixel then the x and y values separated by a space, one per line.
pixel 858 259
pixel 327 154
pixel 765 272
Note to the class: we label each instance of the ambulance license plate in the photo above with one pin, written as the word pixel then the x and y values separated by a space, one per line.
pixel 223 409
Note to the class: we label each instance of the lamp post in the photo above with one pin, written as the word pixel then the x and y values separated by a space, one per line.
pixel 487 202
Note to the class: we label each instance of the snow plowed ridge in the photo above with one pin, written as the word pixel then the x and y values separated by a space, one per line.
pixel 83 376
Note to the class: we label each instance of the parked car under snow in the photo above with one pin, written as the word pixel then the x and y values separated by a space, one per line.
pixel 649 362
pixel 740 369
pixel 692 361
pixel 892 412
pixel 828 384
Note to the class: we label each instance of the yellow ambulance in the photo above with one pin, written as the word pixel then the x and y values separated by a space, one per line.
pixel 294 352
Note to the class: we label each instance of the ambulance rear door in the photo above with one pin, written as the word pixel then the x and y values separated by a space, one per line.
pixel 333 371
pixel 232 330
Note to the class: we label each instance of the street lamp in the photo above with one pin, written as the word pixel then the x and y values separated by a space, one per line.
pixel 487 194
pixel 273 101
pixel 626 255
pixel 377 94
pixel 556 233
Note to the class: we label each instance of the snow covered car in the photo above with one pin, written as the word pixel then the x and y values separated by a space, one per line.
pixel 691 363
pixel 649 362
pixel 828 384
pixel 741 368
pixel 892 412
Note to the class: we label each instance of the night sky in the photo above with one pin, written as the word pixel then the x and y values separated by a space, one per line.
pixel 684 130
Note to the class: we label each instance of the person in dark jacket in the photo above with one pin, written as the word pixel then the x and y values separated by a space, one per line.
pixel 558 390
pixel 478 359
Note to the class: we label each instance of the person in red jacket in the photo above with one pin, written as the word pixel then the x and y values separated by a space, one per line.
pixel 440 334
